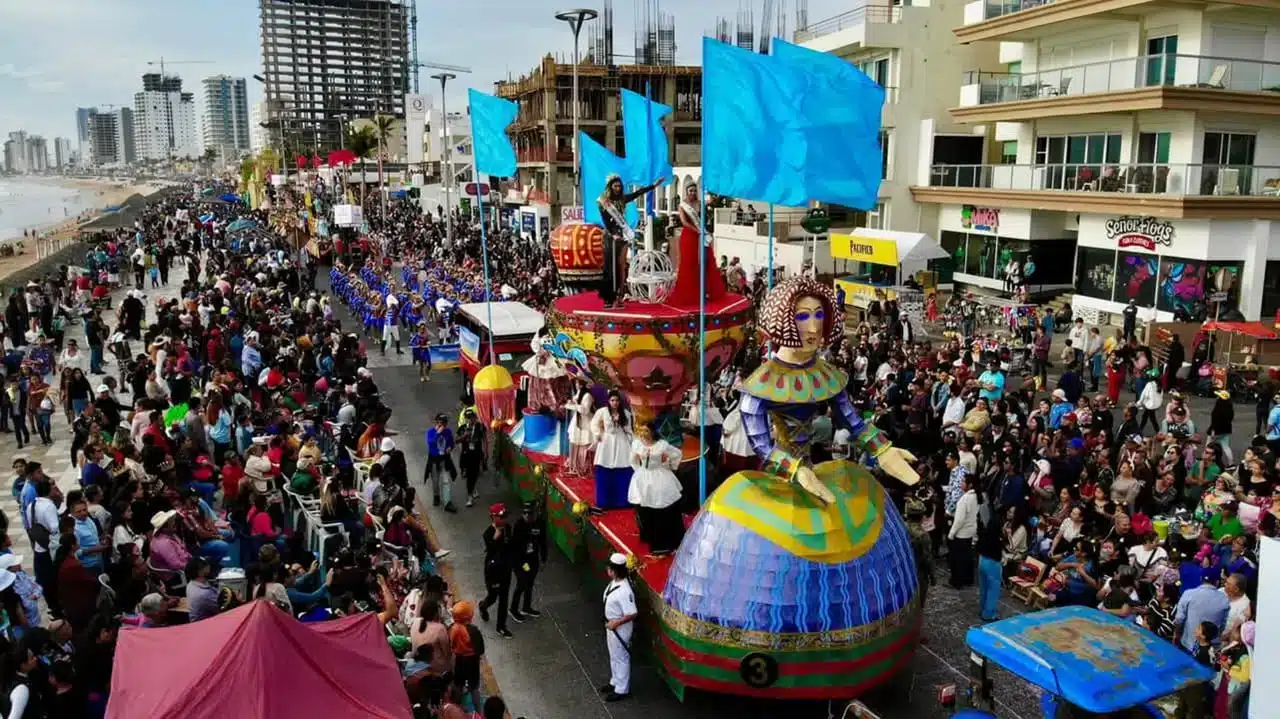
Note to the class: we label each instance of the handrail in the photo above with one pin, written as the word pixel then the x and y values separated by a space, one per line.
pixel 1142 178
pixel 851 18
pixel 992 9
pixel 1128 73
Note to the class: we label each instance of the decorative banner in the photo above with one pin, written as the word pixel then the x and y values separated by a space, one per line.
pixel 469 343
pixel 981 219
pixel 445 356
pixel 874 250
pixel 528 224
pixel 1143 232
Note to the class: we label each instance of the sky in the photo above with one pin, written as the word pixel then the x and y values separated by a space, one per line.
pixel 57 55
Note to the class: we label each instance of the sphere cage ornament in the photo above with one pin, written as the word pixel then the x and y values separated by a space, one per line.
pixel 651 276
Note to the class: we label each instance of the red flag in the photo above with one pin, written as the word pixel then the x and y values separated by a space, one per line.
pixel 315 161
pixel 301 162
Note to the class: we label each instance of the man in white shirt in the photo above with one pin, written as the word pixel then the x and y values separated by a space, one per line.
pixel 1239 613
pixel 619 622
pixel 1078 338
pixel 42 517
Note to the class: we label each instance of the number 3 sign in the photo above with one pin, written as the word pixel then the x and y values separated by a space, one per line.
pixel 759 671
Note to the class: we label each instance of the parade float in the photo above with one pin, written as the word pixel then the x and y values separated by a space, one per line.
pixel 793 582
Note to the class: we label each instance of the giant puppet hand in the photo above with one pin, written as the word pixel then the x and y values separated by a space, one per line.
pixel 897 463
pixel 809 482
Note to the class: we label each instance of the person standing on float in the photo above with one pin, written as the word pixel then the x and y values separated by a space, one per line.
pixel 613 214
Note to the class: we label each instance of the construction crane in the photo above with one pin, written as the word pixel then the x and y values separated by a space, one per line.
pixel 162 62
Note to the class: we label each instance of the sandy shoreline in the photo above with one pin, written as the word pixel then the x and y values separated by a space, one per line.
pixel 105 194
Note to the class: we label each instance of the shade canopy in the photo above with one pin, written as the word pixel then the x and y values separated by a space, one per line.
pixel 912 246
pixel 256 661
pixel 1094 660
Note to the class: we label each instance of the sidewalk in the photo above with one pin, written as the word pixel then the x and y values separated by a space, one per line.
pixel 56 458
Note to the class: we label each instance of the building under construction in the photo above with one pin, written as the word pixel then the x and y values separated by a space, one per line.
pixel 323 59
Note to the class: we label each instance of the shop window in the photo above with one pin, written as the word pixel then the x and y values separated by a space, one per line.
pixel 1271 291
pixel 1185 286
pixel 1095 272
pixel 980 256
pixel 1136 278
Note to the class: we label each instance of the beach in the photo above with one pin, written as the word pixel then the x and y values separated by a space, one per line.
pixel 53 208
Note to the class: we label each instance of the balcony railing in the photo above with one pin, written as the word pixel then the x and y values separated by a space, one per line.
pixel 853 18
pixel 1144 178
pixel 1126 74
pixel 999 8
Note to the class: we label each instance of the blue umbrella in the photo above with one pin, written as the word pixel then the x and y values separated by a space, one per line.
pixel 241 224
pixel 229 198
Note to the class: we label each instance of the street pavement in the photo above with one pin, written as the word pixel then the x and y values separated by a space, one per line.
pixel 553 665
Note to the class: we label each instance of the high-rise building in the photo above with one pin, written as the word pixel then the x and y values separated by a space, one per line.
pixel 126 140
pixel 226 116
pixel 257 133
pixel 15 153
pixel 165 119
pixel 82 131
pixel 326 58
pixel 61 153
pixel 37 154
pixel 104 138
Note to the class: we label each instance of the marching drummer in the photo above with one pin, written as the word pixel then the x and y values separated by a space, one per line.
pixel 619 615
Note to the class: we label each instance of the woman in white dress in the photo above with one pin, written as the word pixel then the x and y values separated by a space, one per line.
pixel 582 442
pixel 738 456
pixel 548 381
pixel 655 492
pixel 611 429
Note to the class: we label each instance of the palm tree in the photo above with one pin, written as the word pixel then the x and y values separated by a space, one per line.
pixel 382 126
pixel 362 142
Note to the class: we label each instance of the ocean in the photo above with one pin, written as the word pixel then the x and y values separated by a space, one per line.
pixel 29 203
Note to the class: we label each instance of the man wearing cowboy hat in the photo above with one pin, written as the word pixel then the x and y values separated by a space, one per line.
pixel 620 613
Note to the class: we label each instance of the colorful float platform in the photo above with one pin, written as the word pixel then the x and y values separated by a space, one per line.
pixel 795 630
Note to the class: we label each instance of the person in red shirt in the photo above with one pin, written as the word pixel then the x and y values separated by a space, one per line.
pixel 232 473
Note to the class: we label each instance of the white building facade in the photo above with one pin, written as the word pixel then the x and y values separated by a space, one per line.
pixel 226 116
pixel 165 120
pixel 1130 154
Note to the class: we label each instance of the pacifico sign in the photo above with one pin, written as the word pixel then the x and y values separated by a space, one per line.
pixel 1144 232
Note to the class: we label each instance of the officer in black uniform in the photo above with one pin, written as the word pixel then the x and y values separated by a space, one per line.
pixel 497 566
pixel 529 551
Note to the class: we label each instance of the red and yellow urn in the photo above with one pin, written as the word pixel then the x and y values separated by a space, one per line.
pixel 578 251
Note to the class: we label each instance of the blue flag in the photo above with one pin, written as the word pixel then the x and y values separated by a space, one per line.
pixel 754 144
pixel 490 117
pixel 648 154
pixel 598 163
pixel 842 108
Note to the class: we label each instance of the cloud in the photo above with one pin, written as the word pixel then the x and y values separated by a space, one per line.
pixel 45 85
pixel 10 70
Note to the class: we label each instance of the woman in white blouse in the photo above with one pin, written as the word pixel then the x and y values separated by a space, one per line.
pixel 581 440
pixel 737 453
pixel 1072 527
pixel 655 492
pixel 611 429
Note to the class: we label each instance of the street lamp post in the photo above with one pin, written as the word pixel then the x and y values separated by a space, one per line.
pixel 447 174
pixel 576 19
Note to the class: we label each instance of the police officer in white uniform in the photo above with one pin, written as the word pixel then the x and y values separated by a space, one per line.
pixel 619 614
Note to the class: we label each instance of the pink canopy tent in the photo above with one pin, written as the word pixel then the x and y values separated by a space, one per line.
pixel 256 661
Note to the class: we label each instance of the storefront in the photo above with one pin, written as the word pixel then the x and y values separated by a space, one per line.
pixel 1189 269
pixel 981 241
pixel 873 264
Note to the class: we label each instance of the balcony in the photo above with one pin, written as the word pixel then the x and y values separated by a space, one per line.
pixel 1147 82
pixel 868 26
pixel 1023 20
pixel 1178 190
